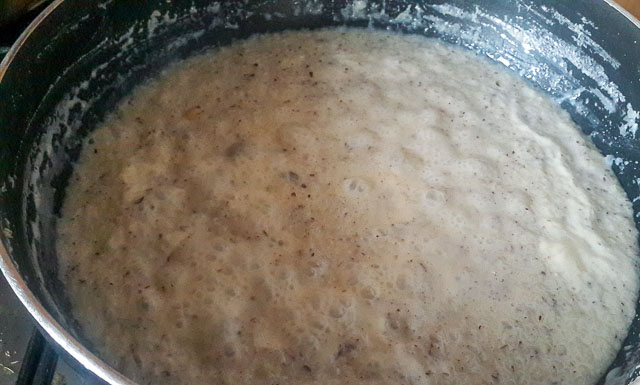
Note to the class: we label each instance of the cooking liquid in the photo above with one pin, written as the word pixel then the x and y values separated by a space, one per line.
pixel 347 207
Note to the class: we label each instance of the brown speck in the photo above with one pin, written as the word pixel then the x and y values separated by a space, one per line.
pixel 234 150
pixel 293 177
pixel 306 367
pixel 137 359
pixel 345 349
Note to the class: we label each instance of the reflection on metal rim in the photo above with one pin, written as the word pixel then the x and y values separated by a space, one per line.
pixel 53 328
pixel 41 315
pixel 4 64
pixel 624 12
pixel 10 271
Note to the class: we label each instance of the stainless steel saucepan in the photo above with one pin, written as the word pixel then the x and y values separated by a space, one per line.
pixel 79 57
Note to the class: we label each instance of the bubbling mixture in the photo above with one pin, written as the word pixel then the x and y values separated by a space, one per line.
pixel 347 207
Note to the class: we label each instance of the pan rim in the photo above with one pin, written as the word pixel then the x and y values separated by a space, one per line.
pixel 44 319
pixel 10 271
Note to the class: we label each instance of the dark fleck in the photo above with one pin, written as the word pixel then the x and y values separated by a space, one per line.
pixel 234 150
pixel 345 349
pixel 293 177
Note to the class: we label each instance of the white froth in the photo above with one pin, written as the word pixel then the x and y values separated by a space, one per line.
pixel 343 206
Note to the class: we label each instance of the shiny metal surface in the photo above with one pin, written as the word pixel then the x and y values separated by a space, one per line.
pixel 53 328
pixel 26 296
pixel 6 61
pixel 624 11
pixel 30 302
pixel 16 328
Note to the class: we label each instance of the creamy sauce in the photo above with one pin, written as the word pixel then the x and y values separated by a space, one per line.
pixel 347 207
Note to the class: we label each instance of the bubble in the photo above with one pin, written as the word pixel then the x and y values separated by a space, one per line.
pixel 318 324
pixel 393 321
pixel 412 157
pixel 435 197
pixel 355 186
pixel 401 282
pixel 368 293
pixel 337 311
pixel 317 268
pixel 230 350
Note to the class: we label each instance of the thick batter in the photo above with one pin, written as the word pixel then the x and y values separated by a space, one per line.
pixel 347 207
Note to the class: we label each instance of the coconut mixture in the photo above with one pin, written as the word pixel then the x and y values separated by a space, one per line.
pixel 347 207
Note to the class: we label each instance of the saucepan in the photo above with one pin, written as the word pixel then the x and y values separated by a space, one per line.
pixel 80 57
